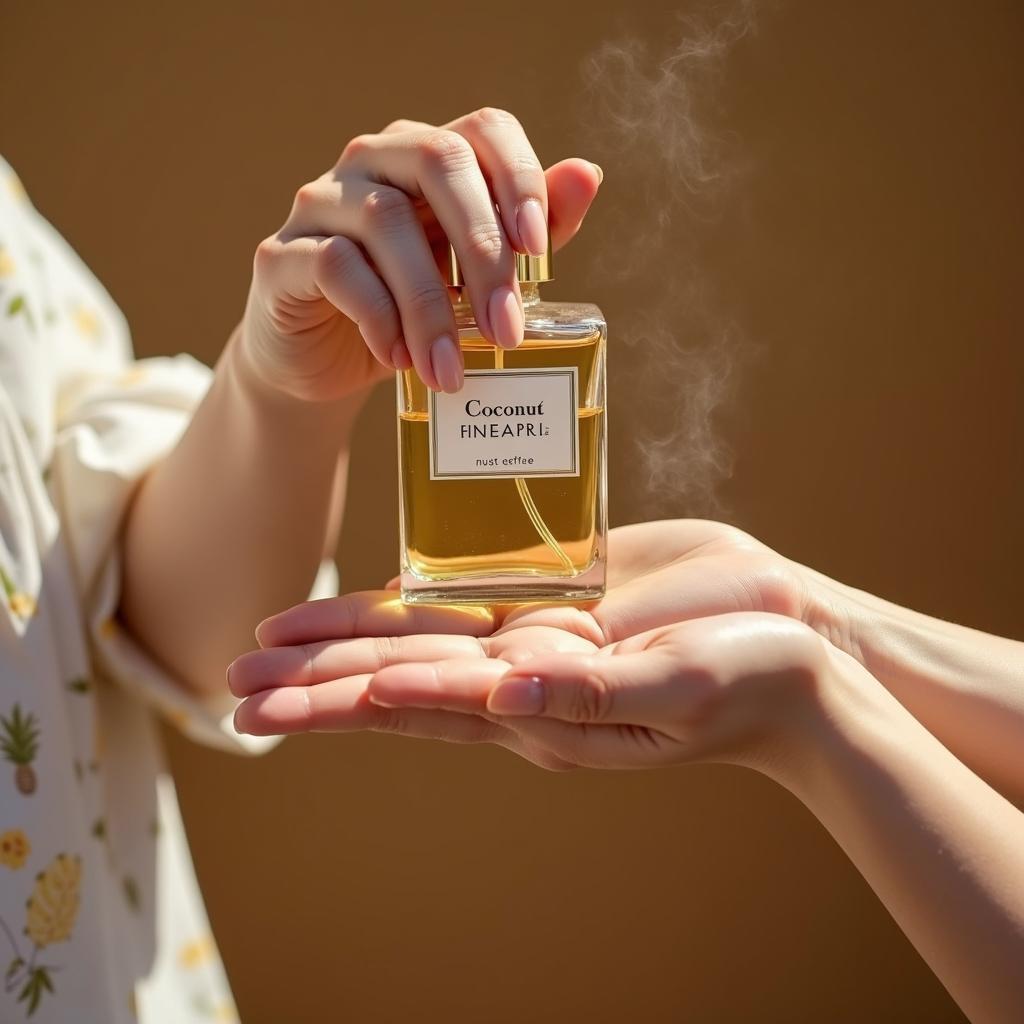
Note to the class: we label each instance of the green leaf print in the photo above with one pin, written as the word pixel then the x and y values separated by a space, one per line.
pixel 18 304
pixel 80 685
pixel 38 982
pixel 131 893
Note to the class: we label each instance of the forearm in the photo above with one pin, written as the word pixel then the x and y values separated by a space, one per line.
pixel 964 686
pixel 233 524
pixel 942 850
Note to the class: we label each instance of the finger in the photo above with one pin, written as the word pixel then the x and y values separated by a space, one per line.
pixel 441 167
pixel 342 706
pixel 384 221
pixel 311 663
pixel 514 172
pixel 597 689
pixel 460 672
pixel 457 685
pixel 369 613
pixel 309 267
pixel 673 675
pixel 571 186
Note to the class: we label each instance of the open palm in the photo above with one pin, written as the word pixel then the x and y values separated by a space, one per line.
pixel 675 662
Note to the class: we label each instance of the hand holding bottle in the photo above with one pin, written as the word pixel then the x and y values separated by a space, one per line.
pixel 660 688
pixel 960 683
pixel 349 288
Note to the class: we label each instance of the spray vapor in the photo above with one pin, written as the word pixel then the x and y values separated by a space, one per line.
pixel 651 114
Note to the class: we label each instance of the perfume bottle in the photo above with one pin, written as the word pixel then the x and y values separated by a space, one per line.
pixel 503 484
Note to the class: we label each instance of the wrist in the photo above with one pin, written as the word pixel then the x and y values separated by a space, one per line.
pixel 281 408
pixel 847 705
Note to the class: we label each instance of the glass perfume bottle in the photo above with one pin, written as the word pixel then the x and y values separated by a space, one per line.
pixel 503 484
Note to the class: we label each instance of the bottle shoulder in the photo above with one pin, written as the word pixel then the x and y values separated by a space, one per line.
pixel 544 319
pixel 564 315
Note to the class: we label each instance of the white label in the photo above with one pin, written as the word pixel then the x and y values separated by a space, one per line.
pixel 506 423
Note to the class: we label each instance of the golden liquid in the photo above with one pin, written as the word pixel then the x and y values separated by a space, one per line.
pixel 482 527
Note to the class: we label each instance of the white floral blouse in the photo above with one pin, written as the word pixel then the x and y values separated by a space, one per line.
pixel 100 917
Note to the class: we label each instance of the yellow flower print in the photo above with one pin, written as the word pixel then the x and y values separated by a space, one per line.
pixel 87 321
pixel 6 263
pixel 132 376
pixel 21 604
pixel 53 905
pixel 14 848
pixel 198 952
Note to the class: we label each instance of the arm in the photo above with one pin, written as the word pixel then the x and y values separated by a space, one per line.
pixel 234 521
pixel 964 686
pixel 943 851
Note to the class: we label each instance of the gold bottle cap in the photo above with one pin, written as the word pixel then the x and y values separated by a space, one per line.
pixel 529 269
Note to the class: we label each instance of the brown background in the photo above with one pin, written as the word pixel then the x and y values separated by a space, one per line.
pixel 870 252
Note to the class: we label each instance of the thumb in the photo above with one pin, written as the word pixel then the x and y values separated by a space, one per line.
pixel 616 689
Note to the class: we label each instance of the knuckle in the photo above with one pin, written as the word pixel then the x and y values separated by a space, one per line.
pixel 425 296
pixel 387 209
pixel 337 258
pixel 385 650
pixel 486 241
pixel 400 124
pixel 524 165
pixel 379 307
pixel 495 117
pixel 355 148
pixel 590 699
pixel 267 255
pixel 779 589
pixel 446 152
pixel 307 196
pixel 393 721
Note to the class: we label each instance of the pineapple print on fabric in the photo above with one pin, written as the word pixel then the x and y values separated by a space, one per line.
pixel 19 742
pixel 50 914
pixel 112 930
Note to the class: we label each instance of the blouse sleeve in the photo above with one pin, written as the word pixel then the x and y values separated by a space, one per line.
pixel 106 442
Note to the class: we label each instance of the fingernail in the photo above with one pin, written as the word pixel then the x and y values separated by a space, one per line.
pixel 260 630
pixel 506 316
pixel 533 227
pixel 446 363
pixel 600 173
pixel 517 697
pixel 400 358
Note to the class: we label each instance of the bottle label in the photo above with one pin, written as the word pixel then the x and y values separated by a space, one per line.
pixel 507 423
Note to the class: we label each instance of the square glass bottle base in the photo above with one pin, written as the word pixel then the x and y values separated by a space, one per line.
pixel 505 588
